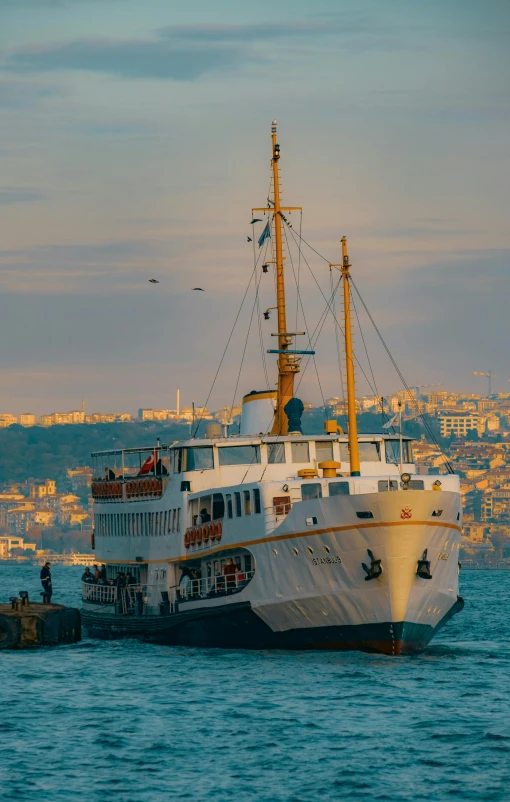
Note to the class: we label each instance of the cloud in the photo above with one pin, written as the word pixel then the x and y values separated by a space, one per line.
pixel 61 269
pixel 185 52
pixel 12 195
pixel 15 94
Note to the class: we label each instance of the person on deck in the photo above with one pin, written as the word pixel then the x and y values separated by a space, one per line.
pixel 130 580
pixel 97 573
pixel 87 577
pixel 229 572
pixel 204 517
pixel 46 580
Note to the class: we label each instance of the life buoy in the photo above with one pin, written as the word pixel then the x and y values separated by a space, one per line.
pixel 206 532
pixel 192 536
pixel 199 535
pixel 93 540
pixel 186 539
pixel 218 530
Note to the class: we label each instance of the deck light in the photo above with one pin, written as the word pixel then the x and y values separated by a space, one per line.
pixel 264 268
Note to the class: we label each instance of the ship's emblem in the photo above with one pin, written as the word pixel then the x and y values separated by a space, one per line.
pixel 406 513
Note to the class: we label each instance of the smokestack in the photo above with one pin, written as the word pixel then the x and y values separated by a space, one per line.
pixel 178 402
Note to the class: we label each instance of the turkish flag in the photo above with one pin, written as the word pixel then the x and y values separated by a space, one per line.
pixel 148 465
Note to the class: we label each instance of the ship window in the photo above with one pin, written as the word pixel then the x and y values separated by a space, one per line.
pixel 275 453
pixel 339 488
pixel 248 567
pixel 323 450
pixel 247 502
pixel 368 452
pixel 300 452
pixel 384 485
pixel 218 506
pixel 229 505
pixel 393 451
pixel 199 459
pixel 239 455
pixel 311 491
pixel 178 520
pixel 365 514
pixel 177 460
pixel 237 497
pixel 256 500
pixel 416 484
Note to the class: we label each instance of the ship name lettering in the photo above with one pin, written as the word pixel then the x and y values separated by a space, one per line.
pixel 326 560
pixel 443 556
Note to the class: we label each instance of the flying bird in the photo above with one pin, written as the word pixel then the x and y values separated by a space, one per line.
pixel 153 281
pixel 249 239
pixel 198 288
pixel 256 220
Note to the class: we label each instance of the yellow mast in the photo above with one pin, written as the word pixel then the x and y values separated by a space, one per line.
pixel 288 364
pixel 349 360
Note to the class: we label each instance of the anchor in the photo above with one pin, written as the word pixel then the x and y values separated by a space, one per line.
pixel 375 569
pixel 423 569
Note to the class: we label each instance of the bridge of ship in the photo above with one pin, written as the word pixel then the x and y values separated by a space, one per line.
pixel 141 473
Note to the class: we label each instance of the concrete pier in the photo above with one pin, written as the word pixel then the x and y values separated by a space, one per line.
pixel 25 624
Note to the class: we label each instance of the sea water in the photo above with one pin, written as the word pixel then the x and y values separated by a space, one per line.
pixel 123 720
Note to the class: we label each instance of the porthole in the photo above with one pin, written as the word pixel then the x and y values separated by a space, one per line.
pixel 326 549
pixel 309 550
pixel 295 551
pixel 275 553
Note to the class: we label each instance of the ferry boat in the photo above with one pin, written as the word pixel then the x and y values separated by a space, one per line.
pixel 271 538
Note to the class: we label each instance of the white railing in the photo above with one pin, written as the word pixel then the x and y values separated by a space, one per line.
pixel 209 587
pixel 106 594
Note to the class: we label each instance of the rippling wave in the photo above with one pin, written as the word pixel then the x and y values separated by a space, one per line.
pixel 131 721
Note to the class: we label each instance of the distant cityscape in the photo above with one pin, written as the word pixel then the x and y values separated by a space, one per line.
pixel 52 517
pixel 453 414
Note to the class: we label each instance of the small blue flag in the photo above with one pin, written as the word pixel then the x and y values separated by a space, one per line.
pixel 265 234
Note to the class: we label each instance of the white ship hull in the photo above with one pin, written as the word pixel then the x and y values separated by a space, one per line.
pixel 310 589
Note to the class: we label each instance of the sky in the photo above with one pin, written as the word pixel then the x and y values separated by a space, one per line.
pixel 135 140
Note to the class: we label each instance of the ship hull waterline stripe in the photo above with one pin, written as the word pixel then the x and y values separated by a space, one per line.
pixel 237 626
pixel 288 536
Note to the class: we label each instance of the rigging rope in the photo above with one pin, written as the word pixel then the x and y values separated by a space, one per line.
pixel 257 284
pixel 411 395
pixel 393 362
pixel 337 338
pixel 194 433
pixel 300 302
pixel 329 308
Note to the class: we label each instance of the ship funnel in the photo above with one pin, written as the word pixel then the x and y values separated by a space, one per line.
pixel 257 414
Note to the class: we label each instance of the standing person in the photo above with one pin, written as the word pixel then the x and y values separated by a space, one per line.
pixel 229 572
pixel 46 581
pixel 97 573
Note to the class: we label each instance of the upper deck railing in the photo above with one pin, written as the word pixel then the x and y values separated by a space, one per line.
pixel 129 488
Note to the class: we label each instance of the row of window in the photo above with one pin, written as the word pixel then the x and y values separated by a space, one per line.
pixel 213 507
pixel 201 458
pixel 138 524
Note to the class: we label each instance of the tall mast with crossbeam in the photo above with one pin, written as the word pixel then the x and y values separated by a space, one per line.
pixel 288 360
